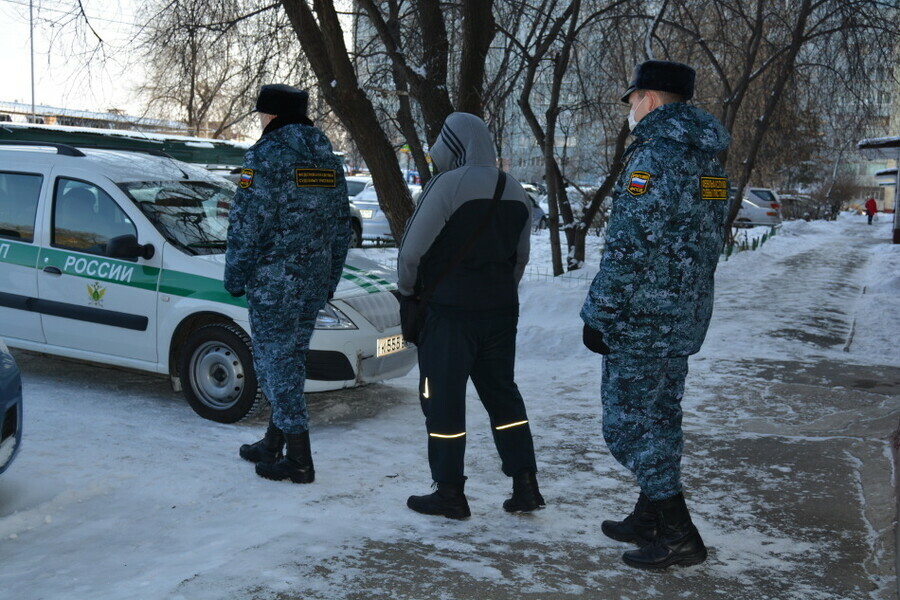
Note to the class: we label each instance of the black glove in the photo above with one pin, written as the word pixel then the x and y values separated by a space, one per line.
pixel 593 340
pixel 237 294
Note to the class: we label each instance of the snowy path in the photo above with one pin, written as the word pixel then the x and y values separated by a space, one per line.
pixel 122 492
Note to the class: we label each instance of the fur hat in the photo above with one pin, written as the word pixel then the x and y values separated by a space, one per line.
pixel 662 76
pixel 280 99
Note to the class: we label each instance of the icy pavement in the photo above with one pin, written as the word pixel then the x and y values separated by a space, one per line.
pixel 120 491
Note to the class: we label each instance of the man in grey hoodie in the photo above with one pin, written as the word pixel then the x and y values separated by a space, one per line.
pixel 650 304
pixel 467 255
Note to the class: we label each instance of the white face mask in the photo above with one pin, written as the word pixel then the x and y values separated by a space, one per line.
pixel 632 121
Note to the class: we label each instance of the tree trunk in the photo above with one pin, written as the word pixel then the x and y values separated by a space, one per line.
pixel 323 44
pixel 761 127
pixel 479 29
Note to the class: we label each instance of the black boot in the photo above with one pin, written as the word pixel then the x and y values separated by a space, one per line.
pixel 637 528
pixel 526 496
pixel 297 465
pixel 677 540
pixel 266 450
pixel 448 501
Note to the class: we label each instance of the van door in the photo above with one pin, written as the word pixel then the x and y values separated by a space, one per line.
pixel 19 195
pixel 89 301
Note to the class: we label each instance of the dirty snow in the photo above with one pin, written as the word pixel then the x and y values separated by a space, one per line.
pixel 120 491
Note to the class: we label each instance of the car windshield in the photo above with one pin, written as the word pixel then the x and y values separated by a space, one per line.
pixel 192 215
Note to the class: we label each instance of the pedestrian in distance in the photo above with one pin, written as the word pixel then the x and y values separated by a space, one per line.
pixel 289 231
pixel 650 304
pixel 871 209
pixel 460 263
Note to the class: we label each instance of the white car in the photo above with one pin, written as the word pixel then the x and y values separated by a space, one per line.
pixel 356 184
pixel 117 257
pixel 375 224
pixel 759 207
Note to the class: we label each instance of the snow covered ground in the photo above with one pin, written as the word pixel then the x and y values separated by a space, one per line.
pixel 120 491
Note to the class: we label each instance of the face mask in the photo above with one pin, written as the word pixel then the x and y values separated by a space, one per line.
pixel 632 121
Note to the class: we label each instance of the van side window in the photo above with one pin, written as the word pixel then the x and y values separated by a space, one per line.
pixel 85 218
pixel 19 193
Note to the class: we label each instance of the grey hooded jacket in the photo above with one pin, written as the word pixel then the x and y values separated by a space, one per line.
pixel 450 209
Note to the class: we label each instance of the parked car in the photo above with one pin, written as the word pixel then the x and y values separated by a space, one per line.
pixel 10 408
pixel 117 257
pixel 356 184
pixel 759 207
pixel 538 216
pixel 752 214
pixel 375 224
pixel 766 198
pixel 799 206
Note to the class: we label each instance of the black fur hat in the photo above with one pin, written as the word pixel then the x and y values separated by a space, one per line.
pixel 282 100
pixel 662 76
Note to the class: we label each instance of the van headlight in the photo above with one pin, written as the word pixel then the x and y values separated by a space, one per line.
pixel 331 318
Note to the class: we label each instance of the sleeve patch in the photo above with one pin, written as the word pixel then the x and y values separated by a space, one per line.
pixel 713 188
pixel 638 183
pixel 316 178
pixel 246 179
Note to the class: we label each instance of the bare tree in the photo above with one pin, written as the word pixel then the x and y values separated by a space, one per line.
pixel 547 52
pixel 755 50
pixel 207 59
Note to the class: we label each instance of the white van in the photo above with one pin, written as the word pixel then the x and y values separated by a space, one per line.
pixel 117 257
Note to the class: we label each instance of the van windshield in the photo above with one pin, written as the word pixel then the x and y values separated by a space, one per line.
pixel 192 215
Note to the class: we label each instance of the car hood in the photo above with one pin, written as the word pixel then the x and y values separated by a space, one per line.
pixel 361 275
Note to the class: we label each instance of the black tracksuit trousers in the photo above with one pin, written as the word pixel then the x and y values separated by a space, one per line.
pixel 457 344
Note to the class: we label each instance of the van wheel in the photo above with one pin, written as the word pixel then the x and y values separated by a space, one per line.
pixel 217 375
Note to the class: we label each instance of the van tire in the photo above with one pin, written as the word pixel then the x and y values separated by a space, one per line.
pixel 217 374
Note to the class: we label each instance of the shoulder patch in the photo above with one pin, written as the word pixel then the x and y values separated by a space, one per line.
pixel 713 188
pixel 316 178
pixel 246 178
pixel 638 182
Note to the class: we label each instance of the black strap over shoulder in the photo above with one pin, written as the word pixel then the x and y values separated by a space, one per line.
pixel 457 258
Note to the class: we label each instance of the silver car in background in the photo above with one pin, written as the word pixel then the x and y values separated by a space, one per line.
pixel 759 207
pixel 375 224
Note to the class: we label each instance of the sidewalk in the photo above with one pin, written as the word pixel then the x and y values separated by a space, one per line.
pixel 121 492
pixel 788 461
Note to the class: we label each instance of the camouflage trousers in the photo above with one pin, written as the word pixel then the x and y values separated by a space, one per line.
pixel 280 345
pixel 642 418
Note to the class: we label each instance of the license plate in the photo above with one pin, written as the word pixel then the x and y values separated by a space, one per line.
pixel 389 345
pixel 367 214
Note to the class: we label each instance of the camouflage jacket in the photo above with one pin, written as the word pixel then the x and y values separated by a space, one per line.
pixel 653 294
pixel 289 226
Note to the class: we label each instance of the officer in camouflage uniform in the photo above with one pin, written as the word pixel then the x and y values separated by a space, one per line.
pixel 650 304
pixel 289 231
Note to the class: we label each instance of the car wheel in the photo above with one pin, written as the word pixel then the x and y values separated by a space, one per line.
pixel 742 223
pixel 217 375
pixel 355 234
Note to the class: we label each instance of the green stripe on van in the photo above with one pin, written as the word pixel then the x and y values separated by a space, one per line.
pixel 386 285
pixel 100 268
pixel 18 253
pixel 178 283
